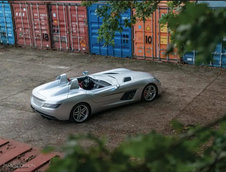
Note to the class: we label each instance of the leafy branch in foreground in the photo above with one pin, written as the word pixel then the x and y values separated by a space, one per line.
pixel 199 149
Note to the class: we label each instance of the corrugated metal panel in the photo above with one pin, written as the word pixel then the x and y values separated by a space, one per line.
pixel 219 55
pixel 32 24
pixel 144 38
pixel 40 25
pixel 6 24
pixel 69 27
pixel 123 40
pixel 151 39
pixel 163 38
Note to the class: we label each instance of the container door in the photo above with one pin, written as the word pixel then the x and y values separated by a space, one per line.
pixel 125 37
pixel 163 38
pixel 94 24
pixel 217 56
pixel 144 38
pixel 123 40
pixel 40 25
pixel 78 33
pixel 6 24
pixel 59 27
pixel 23 25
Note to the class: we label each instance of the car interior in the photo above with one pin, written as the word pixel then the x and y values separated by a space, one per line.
pixel 88 83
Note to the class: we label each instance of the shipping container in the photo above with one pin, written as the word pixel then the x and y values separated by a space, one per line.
pixel 219 56
pixel 214 3
pixel 151 39
pixel 189 57
pixel 6 24
pixel 123 40
pixel 144 38
pixel 69 29
pixel 163 38
pixel 32 24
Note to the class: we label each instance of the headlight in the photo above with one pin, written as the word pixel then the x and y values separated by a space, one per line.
pixel 53 106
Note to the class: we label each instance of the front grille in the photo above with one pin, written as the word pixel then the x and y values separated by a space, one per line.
pixel 37 101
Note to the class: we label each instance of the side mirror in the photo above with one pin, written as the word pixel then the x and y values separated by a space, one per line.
pixel 74 84
pixel 85 73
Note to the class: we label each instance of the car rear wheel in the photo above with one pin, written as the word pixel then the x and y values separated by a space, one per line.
pixel 149 93
pixel 80 112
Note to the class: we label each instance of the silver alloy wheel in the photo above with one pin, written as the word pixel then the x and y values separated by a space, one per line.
pixel 80 113
pixel 150 92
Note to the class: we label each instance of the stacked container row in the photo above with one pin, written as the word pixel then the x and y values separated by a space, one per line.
pixel 61 25
pixel 6 24
pixel 64 25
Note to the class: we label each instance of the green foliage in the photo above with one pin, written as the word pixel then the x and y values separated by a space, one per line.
pixel 199 149
pixel 196 27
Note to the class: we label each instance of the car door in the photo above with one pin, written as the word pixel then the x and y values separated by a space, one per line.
pixel 106 96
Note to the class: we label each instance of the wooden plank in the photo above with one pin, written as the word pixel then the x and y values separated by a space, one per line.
pixel 3 142
pixel 36 163
pixel 13 153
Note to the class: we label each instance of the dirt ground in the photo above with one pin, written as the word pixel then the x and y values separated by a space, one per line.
pixel 192 95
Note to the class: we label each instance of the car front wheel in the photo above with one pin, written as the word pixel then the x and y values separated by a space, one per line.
pixel 149 93
pixel 80 112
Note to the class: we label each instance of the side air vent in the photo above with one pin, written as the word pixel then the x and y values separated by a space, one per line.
pixel 128 95
pixel 126 79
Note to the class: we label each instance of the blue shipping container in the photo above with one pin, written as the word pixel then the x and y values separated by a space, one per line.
pixel 214 3
pixel 6 24
pixel 189 57
pixel 123 40
pixel 219 56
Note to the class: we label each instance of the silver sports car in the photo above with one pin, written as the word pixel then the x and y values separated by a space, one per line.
pixel 77 98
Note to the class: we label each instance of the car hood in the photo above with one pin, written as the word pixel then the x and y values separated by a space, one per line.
pixel 52 91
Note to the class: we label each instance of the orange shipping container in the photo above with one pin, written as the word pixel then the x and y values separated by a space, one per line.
pixel 144 38
pixel 151 39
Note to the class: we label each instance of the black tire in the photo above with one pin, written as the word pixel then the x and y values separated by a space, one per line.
pixel 80 113
pixel 149 93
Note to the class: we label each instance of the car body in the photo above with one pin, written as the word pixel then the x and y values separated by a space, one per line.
pixel 74 98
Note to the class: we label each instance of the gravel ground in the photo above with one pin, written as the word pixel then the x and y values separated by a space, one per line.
pixel 191 94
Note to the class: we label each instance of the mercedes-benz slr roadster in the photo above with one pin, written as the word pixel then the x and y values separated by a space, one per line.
pixel 78 98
